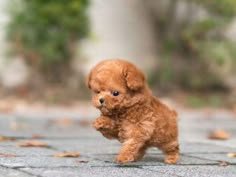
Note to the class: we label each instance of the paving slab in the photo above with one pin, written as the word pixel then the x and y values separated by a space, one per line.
pixel 195 170
pixel 27 151
pixel 48 162
pixel 7 172
pixel 206 147
pixel 199 155
pixel 95 172
pixel 85 145
pixel 158 159
pixel 198 127
pixel 220 157
pixel 26 128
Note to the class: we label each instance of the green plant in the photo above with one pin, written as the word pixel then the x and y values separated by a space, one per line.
pixel 197 101
pixel 224 8
pixel 46 33
pixel 199 49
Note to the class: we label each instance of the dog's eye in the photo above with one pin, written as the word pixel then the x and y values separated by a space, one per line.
pixel 115 93
pixel 96 92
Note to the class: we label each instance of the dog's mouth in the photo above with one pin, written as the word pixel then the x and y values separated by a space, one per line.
pixel 104 110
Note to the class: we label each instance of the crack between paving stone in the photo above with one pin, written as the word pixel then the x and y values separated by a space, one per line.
pixel 203 164
pixel 201 158
pixel 215 164
pixel 186 153
pixel 18 169
pixel 208 143
pixel 167 165
pixel 28 173
pixel 116 166
pixel 45 167
pixel 113 163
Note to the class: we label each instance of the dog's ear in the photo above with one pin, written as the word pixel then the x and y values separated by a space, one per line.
pixel 134 77
pixel 88 79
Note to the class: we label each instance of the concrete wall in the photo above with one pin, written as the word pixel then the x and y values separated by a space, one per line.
pixel 121 29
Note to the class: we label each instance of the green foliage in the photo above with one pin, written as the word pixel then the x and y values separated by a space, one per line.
pixel 196 102
pixel 47 31
pixel 206 54
pixel 206 36
pixel 197 32
pixel 225 8
pixel 200 101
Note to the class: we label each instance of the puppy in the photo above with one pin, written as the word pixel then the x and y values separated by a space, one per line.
pixel 130 113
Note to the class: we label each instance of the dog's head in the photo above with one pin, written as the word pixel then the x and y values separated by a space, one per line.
pixel 117 84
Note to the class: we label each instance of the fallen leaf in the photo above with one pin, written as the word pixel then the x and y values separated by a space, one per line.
pixel 232 155
pixel 84 123
pixel 64 121
pixel 7 155
pixel 82 161
pixel 32 144
pixel 223 164
pixel 67 154
pixel 36 136
pixel 219 135
pixel 2 138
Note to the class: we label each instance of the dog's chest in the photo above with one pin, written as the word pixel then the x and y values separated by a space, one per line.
pixel 125 128
pixel 123 133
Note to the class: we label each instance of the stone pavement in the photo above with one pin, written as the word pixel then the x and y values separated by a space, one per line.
pixel 199 155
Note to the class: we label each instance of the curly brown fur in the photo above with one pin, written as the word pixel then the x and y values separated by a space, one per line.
pixel 130 113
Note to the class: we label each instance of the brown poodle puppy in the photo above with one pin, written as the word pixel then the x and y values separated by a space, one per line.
pixel 130 113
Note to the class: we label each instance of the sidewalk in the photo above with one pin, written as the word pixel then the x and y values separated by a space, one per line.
pixel 199 155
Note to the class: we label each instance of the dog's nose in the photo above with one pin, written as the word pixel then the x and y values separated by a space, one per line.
pixel 101 100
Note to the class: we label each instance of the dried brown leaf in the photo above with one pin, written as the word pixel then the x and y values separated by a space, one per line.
pixel 219 135
pixel 33 144
pixel 36 136
pixel 81 161
pixel 67 154
pixel 84 123
pixel 64 121
pixel 232 154
pixel 223 164
pixel 2 138
pixel 7 155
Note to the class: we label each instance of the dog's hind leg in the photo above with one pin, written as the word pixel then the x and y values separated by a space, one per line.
pixel 172 152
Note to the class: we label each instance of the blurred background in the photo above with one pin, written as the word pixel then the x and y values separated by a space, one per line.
pixel 187 48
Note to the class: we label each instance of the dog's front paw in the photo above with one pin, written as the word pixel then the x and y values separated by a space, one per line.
pixel 124 158
pixel 98 124
pixel 103 123
pixel 172 159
